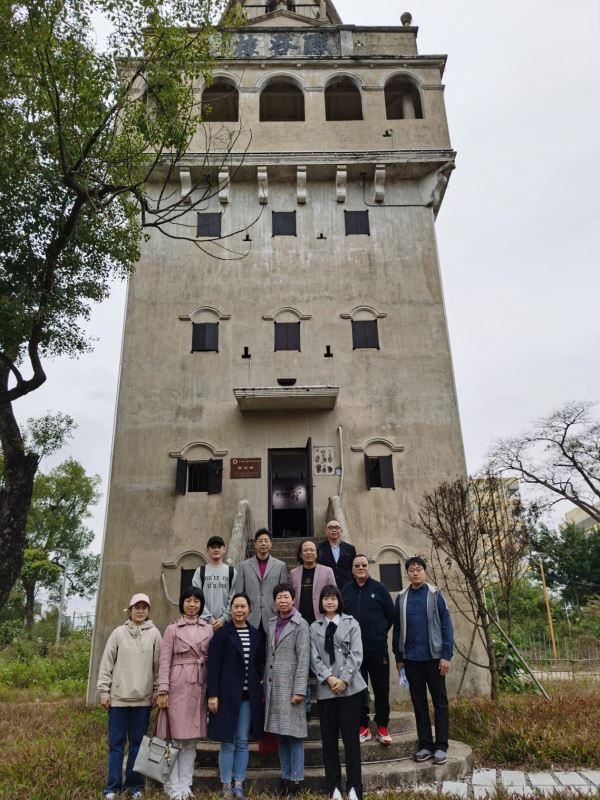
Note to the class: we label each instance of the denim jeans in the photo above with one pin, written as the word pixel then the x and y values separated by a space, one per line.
pixel 291 757
pixel 125 723
pixel 233 756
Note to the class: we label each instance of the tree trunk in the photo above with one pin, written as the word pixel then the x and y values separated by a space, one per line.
pixel 15 495
pixel 29 605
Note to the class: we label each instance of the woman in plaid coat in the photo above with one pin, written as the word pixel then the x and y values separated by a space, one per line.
pixel 286 675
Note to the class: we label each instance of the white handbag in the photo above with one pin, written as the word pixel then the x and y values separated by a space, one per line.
pixel 156 757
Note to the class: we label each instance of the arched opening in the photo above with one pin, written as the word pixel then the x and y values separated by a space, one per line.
pixel 402 100
pixel 281 101
pixel 220 102
pixel 342 101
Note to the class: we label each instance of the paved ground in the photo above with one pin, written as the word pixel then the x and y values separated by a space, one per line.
pixel 482 783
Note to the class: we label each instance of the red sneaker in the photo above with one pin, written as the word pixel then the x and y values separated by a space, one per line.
pixel 364 734
pixel 383 736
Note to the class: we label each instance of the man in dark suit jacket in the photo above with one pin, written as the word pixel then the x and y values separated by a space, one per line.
pixel 336 554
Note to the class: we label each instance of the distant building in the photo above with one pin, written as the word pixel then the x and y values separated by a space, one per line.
pixel 580 518
pixel 311 378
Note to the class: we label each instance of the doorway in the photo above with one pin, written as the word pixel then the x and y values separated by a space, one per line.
pixel 290 492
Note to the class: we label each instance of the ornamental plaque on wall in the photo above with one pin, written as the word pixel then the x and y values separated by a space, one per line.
pixel 324 460
pixel 244 467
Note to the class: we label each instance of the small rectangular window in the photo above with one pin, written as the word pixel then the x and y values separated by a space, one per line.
pixel 209 224
pixel 199 476
pixel 205 337
pixel 379 472
pixel 284 223
pixel 391 577
pixel 287 336
pixel 357 223
pixel 365 334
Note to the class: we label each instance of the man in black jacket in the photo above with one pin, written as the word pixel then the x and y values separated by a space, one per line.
pixel 336 554
pixel 371 604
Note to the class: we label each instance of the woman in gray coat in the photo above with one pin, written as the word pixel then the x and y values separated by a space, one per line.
pixel 336 655
pixel 286 674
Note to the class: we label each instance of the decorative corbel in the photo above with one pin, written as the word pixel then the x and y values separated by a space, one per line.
pixel 185 178
pixel 224 185
pixel 263 185
pixel 433 186
pixel 301 185
pixel 379 183
pixel 340 183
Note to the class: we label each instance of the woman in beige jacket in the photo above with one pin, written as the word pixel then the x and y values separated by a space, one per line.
pixel 127 684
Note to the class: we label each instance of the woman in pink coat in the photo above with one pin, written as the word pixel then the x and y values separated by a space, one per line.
pixel 182 688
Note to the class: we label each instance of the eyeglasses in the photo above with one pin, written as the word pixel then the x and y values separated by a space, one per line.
pixel 415 569
pixel 334 528
pixel 361 566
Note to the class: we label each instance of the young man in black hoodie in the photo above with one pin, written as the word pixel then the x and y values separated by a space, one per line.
pixel 369 602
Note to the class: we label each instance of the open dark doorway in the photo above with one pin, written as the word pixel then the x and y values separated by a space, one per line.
pixel 290 492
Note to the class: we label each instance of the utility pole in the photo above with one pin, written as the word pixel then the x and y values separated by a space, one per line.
pixel 63 594
pixel 548 610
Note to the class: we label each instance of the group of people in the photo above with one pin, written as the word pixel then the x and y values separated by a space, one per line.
pixel 236 665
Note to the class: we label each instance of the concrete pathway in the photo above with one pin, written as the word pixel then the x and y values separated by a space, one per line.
pixel 483 783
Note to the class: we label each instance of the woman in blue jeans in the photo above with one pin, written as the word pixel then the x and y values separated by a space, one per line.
pixel 235 698
pixel 127 682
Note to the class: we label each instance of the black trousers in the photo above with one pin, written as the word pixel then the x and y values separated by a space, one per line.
pixel 376 665
pixel 423 675
pixel 341 714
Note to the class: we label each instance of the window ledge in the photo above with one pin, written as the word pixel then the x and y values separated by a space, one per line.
pixel 284 398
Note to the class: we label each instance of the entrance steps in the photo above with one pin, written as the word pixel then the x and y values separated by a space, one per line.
pixel 384 767
pixel 286 550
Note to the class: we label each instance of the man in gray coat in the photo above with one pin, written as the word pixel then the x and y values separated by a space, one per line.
pixel 257 577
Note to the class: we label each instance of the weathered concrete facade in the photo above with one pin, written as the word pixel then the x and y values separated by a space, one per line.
pixel 181 407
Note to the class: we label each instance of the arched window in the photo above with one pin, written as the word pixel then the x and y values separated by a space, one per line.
pixel 402 100
pixel 342 100
pixel 281 101
pixel 220 102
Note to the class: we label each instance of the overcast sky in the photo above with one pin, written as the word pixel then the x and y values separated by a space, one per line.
pixel 518 233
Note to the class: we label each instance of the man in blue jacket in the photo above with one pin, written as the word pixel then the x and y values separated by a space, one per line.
pixel 369 602
pixel 423 640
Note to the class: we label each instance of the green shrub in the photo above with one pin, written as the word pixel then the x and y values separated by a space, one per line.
pixel 30 664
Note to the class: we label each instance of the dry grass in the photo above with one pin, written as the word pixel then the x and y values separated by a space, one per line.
pixel 528 731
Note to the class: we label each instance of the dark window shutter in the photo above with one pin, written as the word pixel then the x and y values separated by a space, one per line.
pixel 370 470
pixel 186 579
pixel 391 577
pixel 357 223
pixel 208 224
pixel 386 472
pixel 215 475
pixel 287 336
pixel 181 476
pixel 205 336
pixel 365 334
pixel 284 223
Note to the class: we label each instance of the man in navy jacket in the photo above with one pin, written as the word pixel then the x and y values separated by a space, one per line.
pixel 368 601
pixel 335 553
pixel 423 641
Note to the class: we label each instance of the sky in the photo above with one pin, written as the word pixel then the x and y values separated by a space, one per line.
pixel 518 232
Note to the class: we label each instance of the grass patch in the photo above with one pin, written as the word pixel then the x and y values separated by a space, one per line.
pixel 530 732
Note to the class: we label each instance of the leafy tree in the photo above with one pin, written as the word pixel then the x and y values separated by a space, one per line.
pixel 571 558
pixel 55 533
pixel 560 456
pixel 91 144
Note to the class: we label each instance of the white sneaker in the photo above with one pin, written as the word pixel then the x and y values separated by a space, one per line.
pixel 364 734
pixel 352 794
pixel 335 795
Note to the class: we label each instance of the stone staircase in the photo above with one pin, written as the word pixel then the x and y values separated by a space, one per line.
pixel 383 767
pixel 286 549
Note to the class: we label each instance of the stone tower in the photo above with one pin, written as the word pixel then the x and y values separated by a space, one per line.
pixel 299 368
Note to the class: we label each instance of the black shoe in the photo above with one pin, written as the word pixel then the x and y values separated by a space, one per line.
pixel 294 789
pixel 283 790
